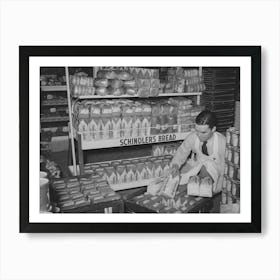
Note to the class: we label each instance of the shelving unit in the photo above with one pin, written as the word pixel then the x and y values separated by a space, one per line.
pixel 57 102
pixel 86 144
pixel 54 88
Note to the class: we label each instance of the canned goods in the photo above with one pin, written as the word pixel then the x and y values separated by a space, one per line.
pixel 131 172
pixel 228 136
pixel 235 138
pixel 224 183
pixel 226 153
pixel 238 173
pixel 229 185
pixel 226 169
pixel 229 198
pixel 236 156
pixel 224 198
pixel 231 170
pixel 237 184
pixel 229 155
pixel 233 188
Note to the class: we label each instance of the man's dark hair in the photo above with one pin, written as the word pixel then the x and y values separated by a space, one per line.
pixel 206 117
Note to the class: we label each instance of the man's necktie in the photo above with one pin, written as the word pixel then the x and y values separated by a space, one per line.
pixel 204 148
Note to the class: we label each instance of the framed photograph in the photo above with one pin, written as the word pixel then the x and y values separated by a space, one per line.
pixel 169 134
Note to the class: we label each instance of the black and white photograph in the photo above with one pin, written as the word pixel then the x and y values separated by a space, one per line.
pixel 139 130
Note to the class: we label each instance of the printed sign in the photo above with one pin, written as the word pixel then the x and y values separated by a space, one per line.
pixel 147 139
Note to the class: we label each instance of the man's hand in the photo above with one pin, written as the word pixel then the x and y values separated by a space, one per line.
pixel 174 170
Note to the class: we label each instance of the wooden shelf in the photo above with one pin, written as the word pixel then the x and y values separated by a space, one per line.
pixel 135 96
pixel 54 102
pixel 54 88
pixel 54 119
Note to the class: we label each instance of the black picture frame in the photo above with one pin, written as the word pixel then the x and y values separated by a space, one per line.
pixel 254 52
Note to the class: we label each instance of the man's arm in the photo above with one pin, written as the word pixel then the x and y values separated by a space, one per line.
pixel 183 151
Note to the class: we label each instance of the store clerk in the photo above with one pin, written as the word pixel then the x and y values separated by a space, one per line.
pixel 202 153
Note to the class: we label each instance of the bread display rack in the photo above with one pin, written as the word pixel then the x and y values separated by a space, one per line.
pixel 84 143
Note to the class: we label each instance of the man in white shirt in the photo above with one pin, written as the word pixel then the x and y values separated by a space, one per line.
pixel 208 152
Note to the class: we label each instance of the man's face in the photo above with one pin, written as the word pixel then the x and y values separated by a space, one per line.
pixel 204 132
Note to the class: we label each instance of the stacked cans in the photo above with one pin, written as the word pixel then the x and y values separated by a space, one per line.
pixel 231 182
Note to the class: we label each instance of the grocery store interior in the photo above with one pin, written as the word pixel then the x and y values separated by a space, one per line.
pixel 109 134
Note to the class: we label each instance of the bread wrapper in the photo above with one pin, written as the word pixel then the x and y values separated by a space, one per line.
pixel 193 186
pixel 156 185
pixel 171 186
pixel 206 187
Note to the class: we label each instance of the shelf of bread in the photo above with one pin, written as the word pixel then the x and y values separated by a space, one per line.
pixel 88 143
pixel 128 173
pixel 54 88
pixel 122 186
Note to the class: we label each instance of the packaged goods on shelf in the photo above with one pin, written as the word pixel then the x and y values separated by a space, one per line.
pixel 233 137
pixel 52 80
pixel 45 146
pixel 180 80
pixel 165 149
pixel 127 121
pixel 79 90
pixel 231 182
pixel 78 80
pixel 49 132
pixel 113 119
pixel 81 85
pixel 81 193
pixel 130 170
pixel 146 82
